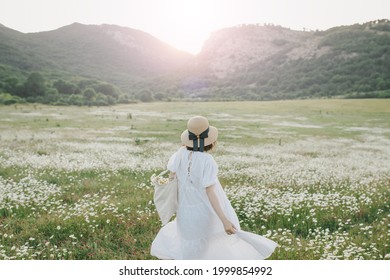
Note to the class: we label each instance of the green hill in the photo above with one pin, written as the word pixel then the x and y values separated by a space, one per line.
pixel 76 57
pixel 255 62
pixel 90 64
pixel 114 54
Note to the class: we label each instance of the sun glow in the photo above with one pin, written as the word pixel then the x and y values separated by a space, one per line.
pixel 189 23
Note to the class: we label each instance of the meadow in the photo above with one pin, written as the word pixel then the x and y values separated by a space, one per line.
pixel 313 175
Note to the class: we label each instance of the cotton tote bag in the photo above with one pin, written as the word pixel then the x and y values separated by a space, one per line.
pixel 165 196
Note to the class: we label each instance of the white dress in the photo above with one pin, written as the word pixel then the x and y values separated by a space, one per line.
pixel 197 232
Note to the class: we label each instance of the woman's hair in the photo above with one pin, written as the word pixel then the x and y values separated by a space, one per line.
pixel 206 148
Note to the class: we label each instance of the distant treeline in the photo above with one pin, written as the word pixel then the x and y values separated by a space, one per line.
pixel 36 89
pixel 88 92
pixel 82 92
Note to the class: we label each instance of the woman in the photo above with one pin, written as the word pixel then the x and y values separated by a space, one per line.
pixel 206 226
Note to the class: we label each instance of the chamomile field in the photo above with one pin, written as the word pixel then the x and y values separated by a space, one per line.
pixel 312 175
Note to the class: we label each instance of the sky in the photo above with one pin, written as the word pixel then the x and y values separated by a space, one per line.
pixel 187 24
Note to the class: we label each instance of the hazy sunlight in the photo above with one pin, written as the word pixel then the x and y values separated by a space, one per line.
pixel 197 18
pixel 186 24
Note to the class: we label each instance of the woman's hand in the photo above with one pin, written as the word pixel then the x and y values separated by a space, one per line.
pixel 172 176
pixel 229 227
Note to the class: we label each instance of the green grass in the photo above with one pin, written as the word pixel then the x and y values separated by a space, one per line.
pixel 103 212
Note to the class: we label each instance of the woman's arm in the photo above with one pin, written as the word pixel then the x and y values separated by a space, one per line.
pixel 172 175
pixel 229 227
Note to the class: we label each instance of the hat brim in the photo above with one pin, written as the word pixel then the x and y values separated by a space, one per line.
pixel 213 135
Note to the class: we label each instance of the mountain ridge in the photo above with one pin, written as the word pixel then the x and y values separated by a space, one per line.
pixel 273 62
pixel 244 62
pixel 113 50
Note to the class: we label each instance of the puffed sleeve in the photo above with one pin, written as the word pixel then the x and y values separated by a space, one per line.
pixel 174 161
pixel 210 174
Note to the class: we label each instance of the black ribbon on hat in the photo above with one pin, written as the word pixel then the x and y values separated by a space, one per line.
pixel 201 138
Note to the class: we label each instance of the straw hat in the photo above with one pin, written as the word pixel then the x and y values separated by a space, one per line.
pixel 199 133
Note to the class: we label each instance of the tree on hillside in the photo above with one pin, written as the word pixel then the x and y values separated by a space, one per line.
pixel 34 86
pixel 145 96
pixel 11 85
pixel 159 96
pixel 64 87
pixel 108 90
pixel 8 99
pixel 84 84
pixel 101 99
pixel 89 94
pixel 76 99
